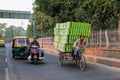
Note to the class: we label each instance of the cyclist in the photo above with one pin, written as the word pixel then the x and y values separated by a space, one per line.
pixel 79 46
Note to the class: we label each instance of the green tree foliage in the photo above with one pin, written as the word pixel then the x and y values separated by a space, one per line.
pixel 12 31
pixel 29 31
pixel 43 20
pixel 102 14
pixel 2 30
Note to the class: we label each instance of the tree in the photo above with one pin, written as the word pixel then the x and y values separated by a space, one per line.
pixel 29 31
pixel 2 29
pixel 43 20
pixel 102 14
pixel 12 31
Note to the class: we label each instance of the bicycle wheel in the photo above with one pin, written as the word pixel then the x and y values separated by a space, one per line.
pixel 60 61
pixel 82 63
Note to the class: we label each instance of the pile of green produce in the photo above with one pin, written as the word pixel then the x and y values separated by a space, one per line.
pixel 67 33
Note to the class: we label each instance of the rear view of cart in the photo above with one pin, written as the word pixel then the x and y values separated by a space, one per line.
pixel 65 36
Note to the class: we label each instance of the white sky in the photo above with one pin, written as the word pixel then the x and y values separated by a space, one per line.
pixel 19 5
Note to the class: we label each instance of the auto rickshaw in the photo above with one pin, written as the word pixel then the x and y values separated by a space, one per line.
pixel 19 43
pixel 2 43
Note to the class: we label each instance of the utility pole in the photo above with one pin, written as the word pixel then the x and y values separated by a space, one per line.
pixel 34 27
pixel 42 32
pixel 119 33
pixel 42 28
pixel 11 33
pixel 21 34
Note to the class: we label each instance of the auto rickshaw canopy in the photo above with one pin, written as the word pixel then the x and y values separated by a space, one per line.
pixel 16 37
pixel 2 42
pixel 20 41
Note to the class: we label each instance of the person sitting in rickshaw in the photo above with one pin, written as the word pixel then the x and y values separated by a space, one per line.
pixel 27 49
pixel 78 46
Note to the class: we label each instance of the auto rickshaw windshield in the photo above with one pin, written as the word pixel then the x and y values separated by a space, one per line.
pixel 20 41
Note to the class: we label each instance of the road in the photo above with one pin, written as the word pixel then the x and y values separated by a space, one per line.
pixel 3 64
pixel 50 70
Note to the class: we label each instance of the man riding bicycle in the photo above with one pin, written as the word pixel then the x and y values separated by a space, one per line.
pixel 79 46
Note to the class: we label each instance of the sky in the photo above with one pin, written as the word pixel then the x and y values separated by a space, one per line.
pixel 19 5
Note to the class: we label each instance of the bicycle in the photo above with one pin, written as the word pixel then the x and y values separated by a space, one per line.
pixel 79 59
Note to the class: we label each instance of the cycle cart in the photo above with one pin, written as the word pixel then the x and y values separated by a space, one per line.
pixel 79 59
pixel 65 36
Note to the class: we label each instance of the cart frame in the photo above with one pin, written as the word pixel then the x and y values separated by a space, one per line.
pixel 68 56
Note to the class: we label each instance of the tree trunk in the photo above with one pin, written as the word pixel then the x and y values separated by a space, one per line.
pixel 119 33
pixel 100 37
pixel 107 41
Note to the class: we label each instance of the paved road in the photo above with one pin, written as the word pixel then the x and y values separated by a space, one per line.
pixel 3 64
pixel 50 70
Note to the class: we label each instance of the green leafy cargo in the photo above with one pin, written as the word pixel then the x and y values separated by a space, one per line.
pixel 67 33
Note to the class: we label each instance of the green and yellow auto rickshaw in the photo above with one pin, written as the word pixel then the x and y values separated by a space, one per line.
pixel 19 43
pixel 2 43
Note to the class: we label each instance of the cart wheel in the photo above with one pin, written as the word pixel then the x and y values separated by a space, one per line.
pixel 82 63
pixel 61 59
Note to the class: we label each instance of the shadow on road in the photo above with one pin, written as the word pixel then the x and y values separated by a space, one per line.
pixel 30 63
